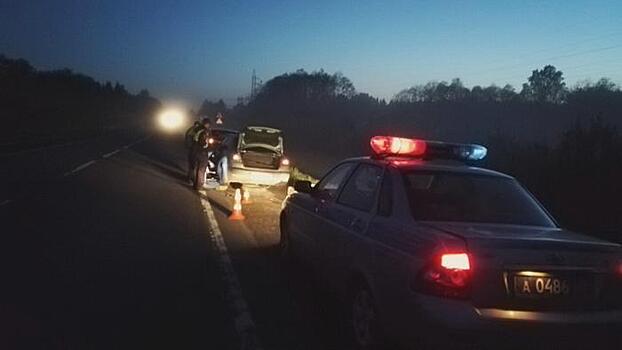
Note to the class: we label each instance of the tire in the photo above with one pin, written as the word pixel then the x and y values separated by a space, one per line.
pixel 362 323
pixel 285 248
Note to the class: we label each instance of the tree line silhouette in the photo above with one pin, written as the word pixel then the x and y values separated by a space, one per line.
pixel 563 143
pixel 43 106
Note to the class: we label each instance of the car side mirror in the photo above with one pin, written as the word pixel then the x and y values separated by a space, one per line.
pixel 303 186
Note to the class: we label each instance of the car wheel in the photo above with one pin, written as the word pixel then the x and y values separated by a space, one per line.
pixel 363 321
pixel 285 249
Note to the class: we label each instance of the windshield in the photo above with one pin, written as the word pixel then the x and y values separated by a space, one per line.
pixel 265 137
pixel 460 197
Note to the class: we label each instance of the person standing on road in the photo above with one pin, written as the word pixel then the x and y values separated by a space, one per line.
pixel 190 141
pixel 189 138
pixel 201 153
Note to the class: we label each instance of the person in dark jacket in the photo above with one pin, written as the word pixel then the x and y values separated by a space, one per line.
pixel 192 144
pixel 189 138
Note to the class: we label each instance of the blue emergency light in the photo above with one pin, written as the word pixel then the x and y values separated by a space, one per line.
pixel 385 146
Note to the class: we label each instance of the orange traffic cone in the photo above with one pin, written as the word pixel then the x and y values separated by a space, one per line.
pixel 246 197
pixel 237 206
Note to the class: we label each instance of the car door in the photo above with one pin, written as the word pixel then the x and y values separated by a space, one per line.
pixel 307 223
pixel 347 219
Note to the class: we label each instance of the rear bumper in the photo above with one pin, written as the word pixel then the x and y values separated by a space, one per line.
pixel 449 321
pixel 457 314
pixel 565 318
pixel 255 176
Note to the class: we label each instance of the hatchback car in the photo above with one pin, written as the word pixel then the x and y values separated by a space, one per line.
pixel 222 145
pixel 259 158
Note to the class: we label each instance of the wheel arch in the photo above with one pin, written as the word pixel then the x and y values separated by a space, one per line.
pixel 356 278
pixel 282 222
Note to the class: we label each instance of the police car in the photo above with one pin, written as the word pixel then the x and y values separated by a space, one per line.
pixel 421 245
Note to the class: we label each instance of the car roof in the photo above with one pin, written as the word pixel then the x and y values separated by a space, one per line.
pixel 439 165
pixel 231 131
pixel 263 129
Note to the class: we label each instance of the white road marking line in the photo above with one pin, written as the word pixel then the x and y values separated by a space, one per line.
pixel 87 164
pixel 81 167
pixel 36 149
pixel 111 153
pixel 244 324
pixel 136 142
pixel 5 202
pixel 107 155
pixel 84 166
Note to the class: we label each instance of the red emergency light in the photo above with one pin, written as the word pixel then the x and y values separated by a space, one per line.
pixel 389 145
pixel 384 146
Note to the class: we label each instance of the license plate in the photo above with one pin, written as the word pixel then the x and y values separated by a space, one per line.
pixel 541 286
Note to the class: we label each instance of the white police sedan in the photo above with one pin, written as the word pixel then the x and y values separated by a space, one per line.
pixel 422 246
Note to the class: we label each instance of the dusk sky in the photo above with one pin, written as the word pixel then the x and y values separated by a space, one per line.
pixel 190 50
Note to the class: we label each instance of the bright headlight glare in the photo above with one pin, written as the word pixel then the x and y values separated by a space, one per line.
pixel 171 119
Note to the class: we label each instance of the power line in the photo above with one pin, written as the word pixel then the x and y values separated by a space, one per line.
pixel 574 54
pixel 570 68
pixel 570 45
pixel 568 71
pixel 558 57
pixel 586 52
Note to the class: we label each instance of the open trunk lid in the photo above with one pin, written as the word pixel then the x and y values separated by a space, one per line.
pixel 261 147
pixel 260 156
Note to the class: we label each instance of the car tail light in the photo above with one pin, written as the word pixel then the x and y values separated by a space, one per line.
pixel 619 269
pixel 237 157
pixel 459 261
pixel 448 275
pixel 285 161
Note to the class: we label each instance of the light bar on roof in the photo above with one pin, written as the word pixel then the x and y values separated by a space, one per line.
pixel 415 148
pixel 389 145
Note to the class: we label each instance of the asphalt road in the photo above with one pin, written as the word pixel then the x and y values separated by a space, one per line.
pixel 105 246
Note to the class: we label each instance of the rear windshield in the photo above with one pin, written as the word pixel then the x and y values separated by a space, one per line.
pixel 264 137
pixel 460 197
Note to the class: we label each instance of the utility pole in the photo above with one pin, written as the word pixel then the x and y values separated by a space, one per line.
pixel 253 85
